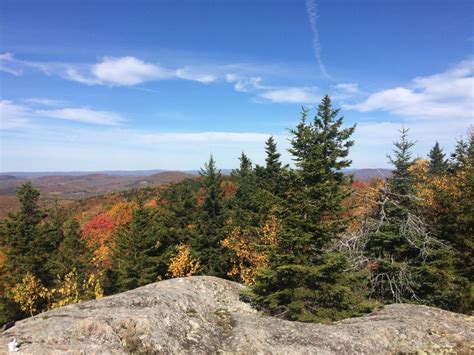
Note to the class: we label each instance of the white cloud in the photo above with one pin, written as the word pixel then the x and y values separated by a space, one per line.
pixel 349 88
pixel 128 71
pixel 191 74
pixel 6 62
pixel 243 84
pixel 84 115
pixel 13 116
pixel 312 11
pixel 112 71
pixel 303 95
pixel 449 95
pixel 44 101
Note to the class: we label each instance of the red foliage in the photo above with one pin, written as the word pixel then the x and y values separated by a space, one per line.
pixel 98 235
pixel 228 190
pixel 201 196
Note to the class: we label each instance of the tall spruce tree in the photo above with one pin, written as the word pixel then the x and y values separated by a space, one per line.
pixel 306 281
pixel 438 164
pixel 388 247
pixel 245 205
pixel 401 181
pixel 212 220
pixel 135 256
pixel 460 156
pixel 23 246
pixel 23 236
pixel 72 253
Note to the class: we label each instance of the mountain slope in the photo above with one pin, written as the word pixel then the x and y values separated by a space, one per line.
pixel 204 314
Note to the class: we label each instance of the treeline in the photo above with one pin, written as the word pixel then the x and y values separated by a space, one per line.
pixel 311 244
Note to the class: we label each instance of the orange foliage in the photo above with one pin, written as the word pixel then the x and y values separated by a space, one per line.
pixel 183 264
pixel 228 189
pixel 98 234
pixel 428 186
pixel 247 259
pixel 121 212
pixel 201 196
pixel 152 203
pixel 364 199
pixel 98 231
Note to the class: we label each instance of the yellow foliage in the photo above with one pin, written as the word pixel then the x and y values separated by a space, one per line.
pixel 121 212
pixel 247 259
pixel 74 290
pixel 427 185
pixel 183 263
pixel 33 297
pixel 29 293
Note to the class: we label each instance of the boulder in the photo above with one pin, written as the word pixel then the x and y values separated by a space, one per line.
pixel 203 314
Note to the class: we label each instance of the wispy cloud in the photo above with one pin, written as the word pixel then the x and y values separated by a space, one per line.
pixel 44 101
pixel 13 116
pixel 7 63
pixel 111 71
pixel 302 95
pixel 188 73
pixel 348 88
pixel 445 96
pixel 84 115
pixel 245 84
pixel 16 116
pixel 313 15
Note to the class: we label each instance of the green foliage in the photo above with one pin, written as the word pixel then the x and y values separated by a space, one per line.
pixel 135 256
pixel 305 282
pixel 211 224
pixel 72 252
pixel 438 164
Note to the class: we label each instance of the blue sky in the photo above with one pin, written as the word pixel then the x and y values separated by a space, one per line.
pixel 109 85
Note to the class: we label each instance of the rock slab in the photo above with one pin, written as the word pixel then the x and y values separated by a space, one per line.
pixel 203 314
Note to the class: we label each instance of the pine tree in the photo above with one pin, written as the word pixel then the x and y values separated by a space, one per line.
pixel 401 181
pixel 388 248
pixel 211 224
pixel 271 175
pixel 23 236
pixel 245 205
pixel 460 156
pixel 438 163
pixel 273 164
pixel 22 244
pixel 72 253
pixel 305 281
pixel 135 257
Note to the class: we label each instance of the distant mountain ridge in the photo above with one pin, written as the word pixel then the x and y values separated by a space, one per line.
pixel 359 174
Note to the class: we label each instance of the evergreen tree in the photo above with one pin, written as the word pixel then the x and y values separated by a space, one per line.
pixel 23 236
pixel 306 281
pixel 401 181
pixel 179 218
pixel 460 156
pixel 438 164
pixel 245 205
pixel 72 253
pixel 23 247
pixel 448 285
pixel 273 164
pixel 388 248
pixel 272 174
pixel 212 220
pixel 135 256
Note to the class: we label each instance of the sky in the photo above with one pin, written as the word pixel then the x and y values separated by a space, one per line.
pixel 131 85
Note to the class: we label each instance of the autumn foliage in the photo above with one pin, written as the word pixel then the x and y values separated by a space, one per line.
pixel 250 249
pixel 183 264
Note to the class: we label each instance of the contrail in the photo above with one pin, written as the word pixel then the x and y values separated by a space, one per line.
pixel 312 10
